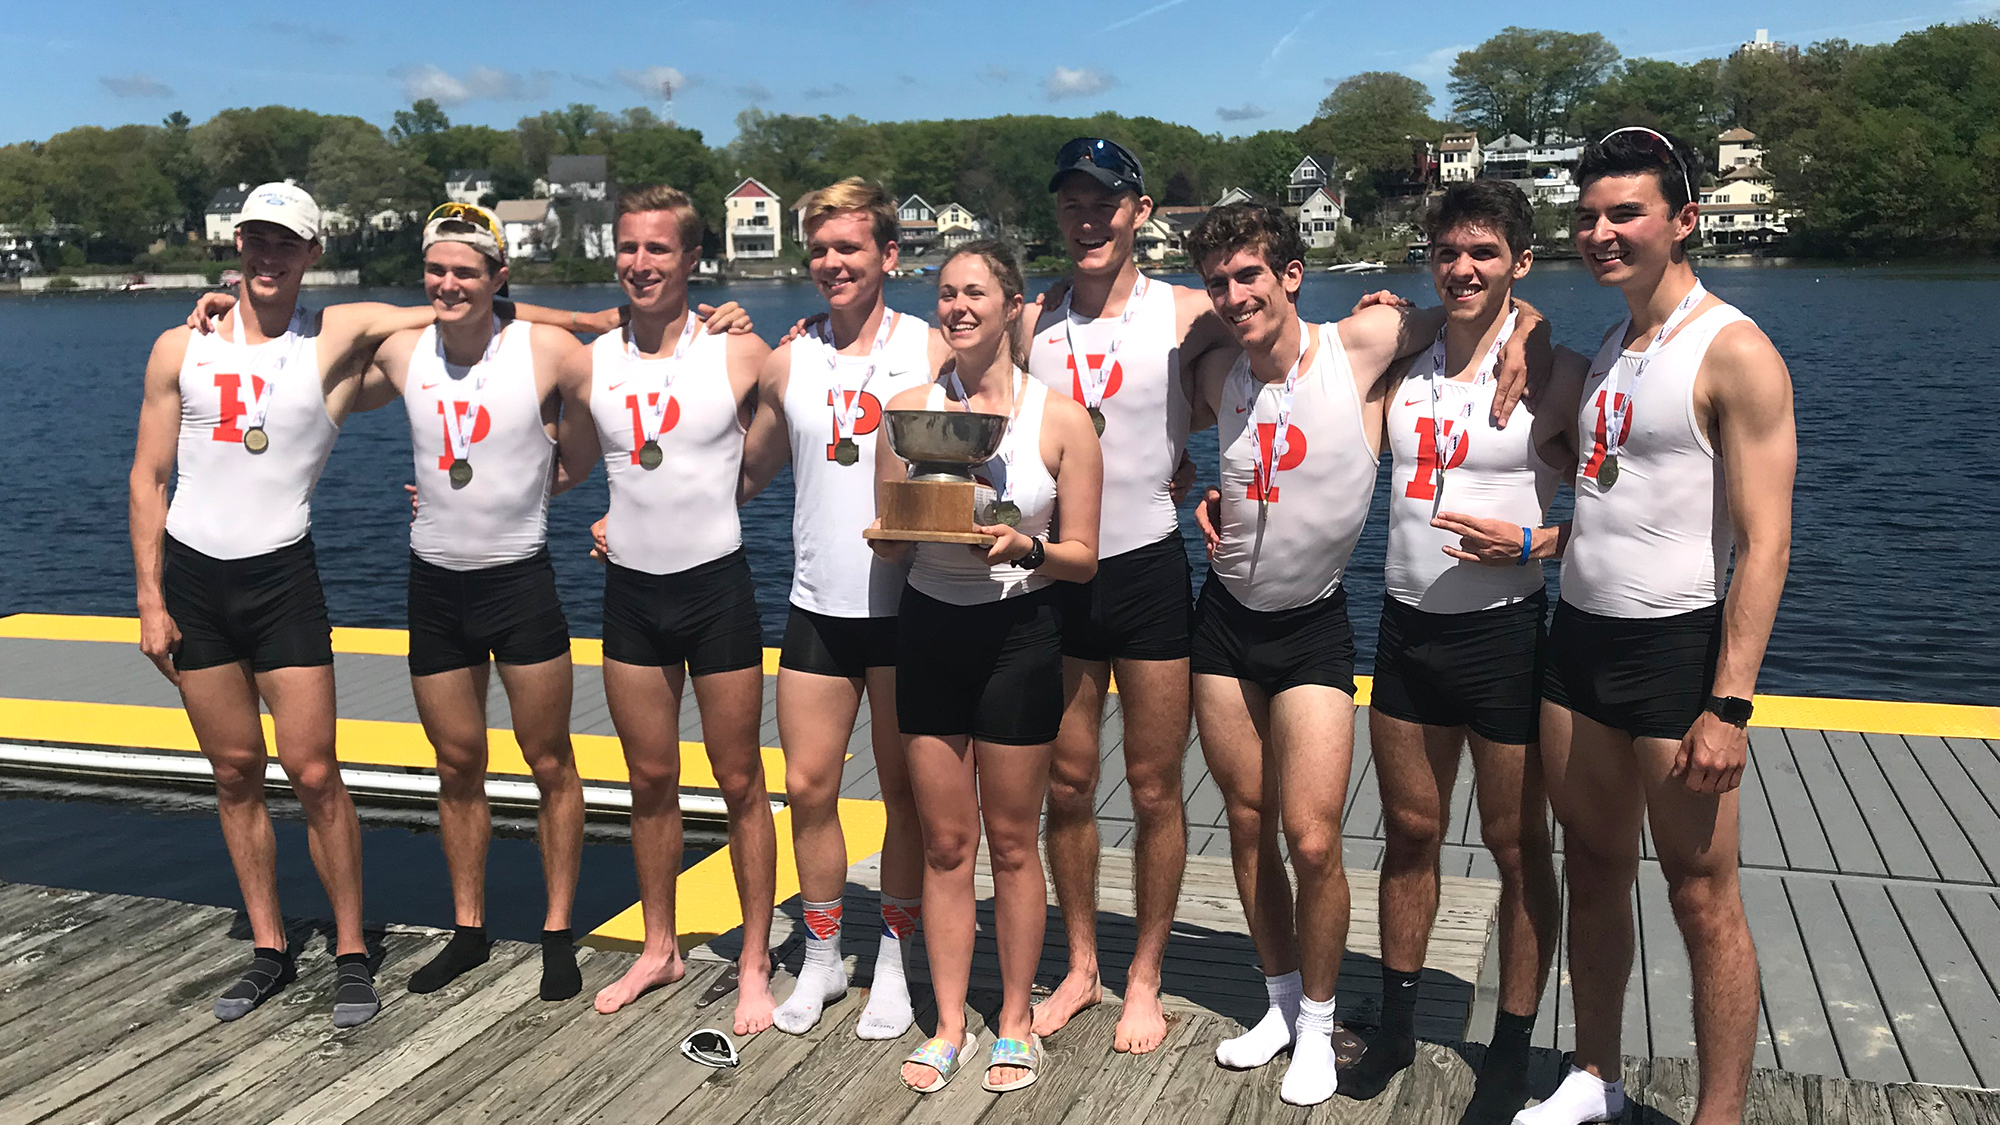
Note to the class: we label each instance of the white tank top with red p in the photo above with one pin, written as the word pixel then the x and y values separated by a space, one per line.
pixel 1494 473
pixel 1145 405
pixel 951 572
pixel 230 503
pixel 1657 540
pixel 501 514
pixel 1323 478
pixel 682 514
pixel 834 571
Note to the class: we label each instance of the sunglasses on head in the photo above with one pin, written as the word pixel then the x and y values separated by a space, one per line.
pixel 1660 146
pixel 710 1047
pixel 1108 155
pixel 470 215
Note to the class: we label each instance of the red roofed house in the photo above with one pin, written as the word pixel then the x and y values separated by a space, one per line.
pixel 753 227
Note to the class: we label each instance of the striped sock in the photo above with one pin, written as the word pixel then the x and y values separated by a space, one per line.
pixel 888 1014
pixel 823 978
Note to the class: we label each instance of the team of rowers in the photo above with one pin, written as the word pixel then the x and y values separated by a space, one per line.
pixel 986 669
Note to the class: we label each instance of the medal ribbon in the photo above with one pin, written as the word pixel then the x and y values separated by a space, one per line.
pixel 1019 380
pixel 1276 453
pixel 846 413
pixel 1094 378
pixel 653 414
pixel 257 404
pixel 1617 410
pixel 459 428
pixel 1446 444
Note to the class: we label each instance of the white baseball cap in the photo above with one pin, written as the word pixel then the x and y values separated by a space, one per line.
pixel 285 204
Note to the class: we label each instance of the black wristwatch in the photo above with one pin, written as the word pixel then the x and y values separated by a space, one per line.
pixel 1038 553
pixel 1729 709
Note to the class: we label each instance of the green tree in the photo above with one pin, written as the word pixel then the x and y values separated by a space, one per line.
pixel 646 151
pixel 1263 163
pixel 254 146
pixel 107 182
pixel 424 118
pixel 1368 120
pixel 1528 81
pixel 1686 100
pixel 356 171
pixel 177 160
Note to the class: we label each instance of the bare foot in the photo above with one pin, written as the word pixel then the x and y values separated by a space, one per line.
pixel 754 1003
pixel 649 972
pixel 1142 1027
pixel 1073 995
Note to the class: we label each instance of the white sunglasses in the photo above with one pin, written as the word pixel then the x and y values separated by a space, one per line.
pixel 1671 154
pixel 710 1047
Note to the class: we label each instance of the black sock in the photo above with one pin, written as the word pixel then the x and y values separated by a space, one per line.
pixel 269 971
pixel 560 977
pixel 354 999
pixel 1501 1090
pixel 1394 1046
pixel 468 949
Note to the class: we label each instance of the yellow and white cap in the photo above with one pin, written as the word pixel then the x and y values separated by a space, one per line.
pixel 285 204
pixel 465 222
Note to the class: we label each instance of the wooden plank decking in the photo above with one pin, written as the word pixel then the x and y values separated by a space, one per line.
pixel 104 1018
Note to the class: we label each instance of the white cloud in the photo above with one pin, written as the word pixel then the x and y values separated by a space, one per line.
pixel 1244 112
pixel 1286 40
pixel 1436 66
pixel 481 82
pixel 135 86
pixel 1079 83
pixel 1135 17
pixel 653 80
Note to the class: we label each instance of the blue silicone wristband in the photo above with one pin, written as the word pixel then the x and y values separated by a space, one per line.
pixel 1527 544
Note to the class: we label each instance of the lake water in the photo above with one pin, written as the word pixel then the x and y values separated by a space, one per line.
pixel 1891 594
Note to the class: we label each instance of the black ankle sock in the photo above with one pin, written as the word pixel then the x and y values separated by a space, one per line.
pixel 560 976
pixel 1502 1086
pixel 468 949
pixel 269 971
pixel 354 999
pixel 1393 1047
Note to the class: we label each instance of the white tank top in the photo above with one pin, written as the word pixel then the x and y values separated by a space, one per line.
pixel 1145 405
pixel 683 513
pixel 950 572
pixel 1658 541
pixel 1493 473
pixel 834 572
pixel 1295 554
pixel 230 503
pixel 501 515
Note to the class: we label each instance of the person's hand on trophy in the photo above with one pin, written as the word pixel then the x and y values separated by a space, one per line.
pixel 1009 545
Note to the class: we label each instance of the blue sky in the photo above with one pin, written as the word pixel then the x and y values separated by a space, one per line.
pixel 1219 66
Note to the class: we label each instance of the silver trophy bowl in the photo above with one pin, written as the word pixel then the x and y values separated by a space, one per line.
pixel 944 445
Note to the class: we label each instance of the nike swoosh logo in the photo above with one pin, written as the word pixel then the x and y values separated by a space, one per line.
pixel 427 386
pixel 1242 410
pixel 1057 339
pixel 617 385
pixel 1413 402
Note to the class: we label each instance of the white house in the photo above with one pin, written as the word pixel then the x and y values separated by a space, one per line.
pixel 917 226
pixel 752 228
pixel 799 217
pixel 1763 44
pixel 1507 158
pixel 1311 174
pixel 1321 219
pixel 1742 208
pixel 957 225
pixel 531 226
pixel 576 177
pixel 1737 148
pixel 468 185
pixel 218 219
pixel 1239 195
pixel 1554 185
pixel 1459 157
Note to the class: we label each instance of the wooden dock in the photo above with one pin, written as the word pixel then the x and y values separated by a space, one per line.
pixel 104 1017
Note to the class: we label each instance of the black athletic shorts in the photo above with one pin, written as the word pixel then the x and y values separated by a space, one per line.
pixel 267 609
pixel 1477 670
pixel 704 617
pixel 993 671
pixel 1646 676
pixel 1274 649
pixel 461 618
pixel 837 646
pixel 1137 608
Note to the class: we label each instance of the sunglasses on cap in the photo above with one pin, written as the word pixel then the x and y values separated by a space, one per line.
pixel 1108 162
pixel 471 215
pixel 1660 146
pixel 710 1047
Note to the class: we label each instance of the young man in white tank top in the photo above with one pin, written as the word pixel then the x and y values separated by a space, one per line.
pixel 1122 345
pixel 668 408
pixel 1300 413
pixel 1687 449
pixel 819 405
pixel 1456 659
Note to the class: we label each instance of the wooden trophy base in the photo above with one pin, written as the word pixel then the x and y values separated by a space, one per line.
pixel 926 511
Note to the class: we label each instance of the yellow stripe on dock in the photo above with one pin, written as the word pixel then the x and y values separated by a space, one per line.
pixel 362 742
pixel 705 903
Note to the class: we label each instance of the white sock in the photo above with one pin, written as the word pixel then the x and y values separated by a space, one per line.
pixel 1310 1079
pixel 822 979
pixel 889 1014
pixel 1272 1034
pixel 1582 1097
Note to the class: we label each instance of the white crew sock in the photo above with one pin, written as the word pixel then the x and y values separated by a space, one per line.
pixel 1582 1097
pixel 1272 1034
pixel 1310 1079
pixel 823 978
pixel 888 1014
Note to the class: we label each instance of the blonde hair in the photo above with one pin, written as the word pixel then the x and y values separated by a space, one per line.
pixel 1006 269
pixel 854 194
pixel 660 197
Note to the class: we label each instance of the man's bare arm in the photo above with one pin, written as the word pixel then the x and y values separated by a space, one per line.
pixel 767 445
pixel 577 447
pixel 146 505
